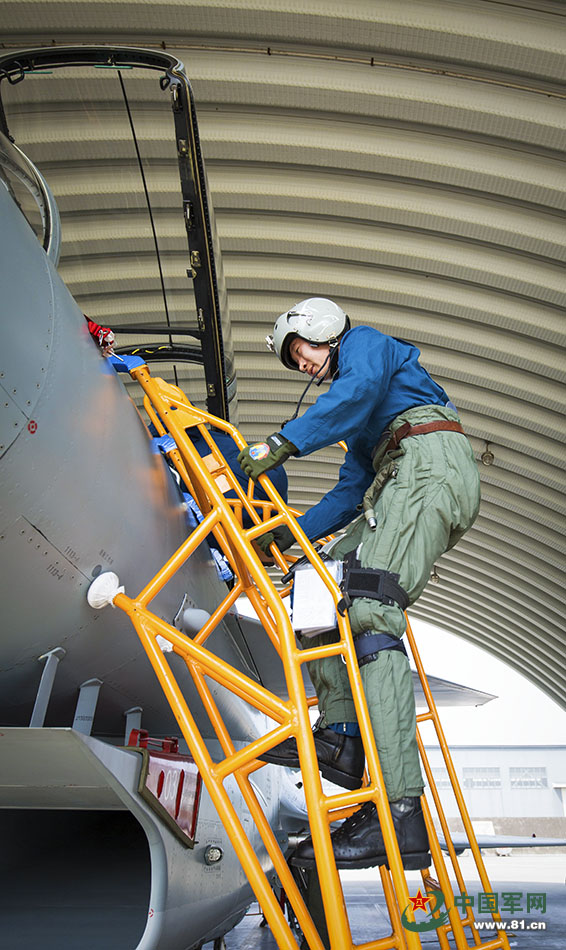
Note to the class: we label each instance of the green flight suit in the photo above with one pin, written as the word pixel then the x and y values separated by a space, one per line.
pixel 425 496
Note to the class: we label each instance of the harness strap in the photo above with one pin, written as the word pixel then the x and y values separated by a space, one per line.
pixel 368 645
pixel 373 583
pixel 408 430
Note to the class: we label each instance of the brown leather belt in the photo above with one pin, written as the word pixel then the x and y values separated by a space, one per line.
pixel 407 429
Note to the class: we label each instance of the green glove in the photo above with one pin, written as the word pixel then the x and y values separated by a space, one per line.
pixel 282 536
pixel 259 458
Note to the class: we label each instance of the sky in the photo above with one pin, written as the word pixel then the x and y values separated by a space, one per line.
pixel 521 715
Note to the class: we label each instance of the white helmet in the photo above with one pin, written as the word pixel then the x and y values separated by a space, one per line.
pixel 316 320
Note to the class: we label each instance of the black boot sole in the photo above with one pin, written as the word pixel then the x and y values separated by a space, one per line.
pixel 353 865
pixel 411 862
pixel 344 779
pixel 417 861
pixel 275 760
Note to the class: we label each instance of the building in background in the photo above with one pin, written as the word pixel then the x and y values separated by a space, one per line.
pixel 520 789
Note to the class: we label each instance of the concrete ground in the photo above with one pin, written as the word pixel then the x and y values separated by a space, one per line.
pixel 520 874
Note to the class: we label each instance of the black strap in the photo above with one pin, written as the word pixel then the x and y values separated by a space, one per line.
pixel 300 562
pixel 373 583
pixel 368 645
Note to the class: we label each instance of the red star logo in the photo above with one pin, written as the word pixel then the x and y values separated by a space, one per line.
pixel 420 901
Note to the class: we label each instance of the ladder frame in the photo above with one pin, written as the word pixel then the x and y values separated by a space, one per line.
pixel 170 411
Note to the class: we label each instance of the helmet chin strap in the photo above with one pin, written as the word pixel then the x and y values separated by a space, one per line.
pixel 313 379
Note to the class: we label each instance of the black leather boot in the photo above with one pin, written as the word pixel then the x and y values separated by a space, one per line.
pixel 341 758
pixel 358 843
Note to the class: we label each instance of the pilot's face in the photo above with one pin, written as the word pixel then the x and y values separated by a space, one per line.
pixel 310 359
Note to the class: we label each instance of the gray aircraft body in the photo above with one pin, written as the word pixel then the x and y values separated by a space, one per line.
pixel 83 492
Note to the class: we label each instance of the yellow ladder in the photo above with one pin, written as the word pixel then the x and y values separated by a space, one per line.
pixel 170 411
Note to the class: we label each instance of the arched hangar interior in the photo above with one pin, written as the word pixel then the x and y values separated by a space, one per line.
pixel 406 159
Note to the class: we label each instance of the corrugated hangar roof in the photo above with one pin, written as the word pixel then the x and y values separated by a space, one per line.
pixel 406 159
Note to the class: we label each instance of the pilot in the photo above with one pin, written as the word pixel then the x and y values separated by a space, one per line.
pixel 407 491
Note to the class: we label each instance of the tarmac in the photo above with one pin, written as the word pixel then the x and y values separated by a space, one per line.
pixel 513 878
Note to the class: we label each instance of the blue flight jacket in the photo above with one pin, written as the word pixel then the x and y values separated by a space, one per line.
pixel 378 378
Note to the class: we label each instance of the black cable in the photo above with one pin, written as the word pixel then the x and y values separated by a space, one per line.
pixel 306 389
pixel 150 212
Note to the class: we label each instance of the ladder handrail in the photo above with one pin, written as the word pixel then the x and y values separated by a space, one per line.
pixel 170 411
pixel 175 413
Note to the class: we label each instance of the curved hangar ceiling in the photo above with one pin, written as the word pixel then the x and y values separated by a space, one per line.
pixel 404 158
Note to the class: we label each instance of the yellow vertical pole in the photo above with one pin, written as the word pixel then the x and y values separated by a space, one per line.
pixel 274 851
pixel 206 767
pixel 502 939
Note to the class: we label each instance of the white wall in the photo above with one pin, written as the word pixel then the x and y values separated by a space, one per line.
pixel 492 765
